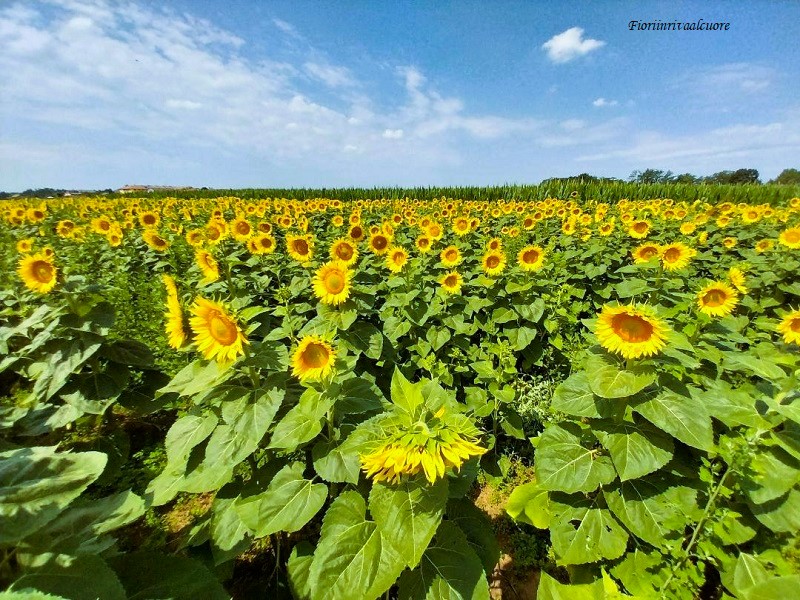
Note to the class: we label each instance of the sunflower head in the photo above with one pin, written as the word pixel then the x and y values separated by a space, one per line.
pixel 241 229
pixel 494 262
pixel 396 258
pixel 423 244
pixel 450 256
pixel 717 299
pixel 300 248
pixel 207 264
pixel 737 278
pixel 790 327
pixel 155 241
pixel 790 237
pixel 344 250
pixel 216 333
pixel 676 256
pixel 175 326
pixel 38 272
pixel 763 246
pixel 263 243
pixel 379 243
pixel 313 359
pixel 452 282
pixel 531 258
pixel 24 246
pixel 639 229
pixel 332 283
pixel 631 331
pixel 645 252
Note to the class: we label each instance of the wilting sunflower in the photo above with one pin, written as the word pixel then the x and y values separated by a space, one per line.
pixel 208 265
pixel 313 359
pixel 676 256
pixel 344 250
pixel 450 256
pixel 38 272
pixel 790 327
pixel 379 243
pixel 452 282
pixel 645 252
pixel 155 241
pixel 263 243
pixel 300 247
pixel 216 333
pixel 631 331
pixel 639 229
pixel 494 262
pixel 531 258
pixel 176 333
pixel 396 258
pixel 717 299
pixel 332 283
pixel 737 279
pixel 790 237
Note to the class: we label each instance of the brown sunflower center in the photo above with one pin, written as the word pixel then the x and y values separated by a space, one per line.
pixel 344 251
pixel 149 219
pixel 334 282
pixel 530 257
pixel 222 328
pixel 794 324
pixel 632 328
pixel 640 227
pixel 42 271
pixel 266 243
pixel 214 234
pixel 672 255
pixel 648 252
pixel 451 281
pixel 301 247
pixel 399 257
pixel 379 242
pixel 715 297
pixel 315 356
pixel 451 255
pixel 242 228
pixel 492 261
pixel 356 232
pixel 423 243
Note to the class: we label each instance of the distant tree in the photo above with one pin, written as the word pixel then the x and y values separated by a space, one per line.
pixel 740 176
pixel 651 176
pixel 788 177
pixel 686 178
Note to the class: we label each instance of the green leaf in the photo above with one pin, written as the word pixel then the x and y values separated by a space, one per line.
pixel 551 589
pixel 574 397
pixel 653 509
pixel 227 528
pixel 478 529
pixel 407 514
pixel 186 433
pixel 521 337
pixel 781 514
pixel 196 377
pixel 303 422
pixel 748 573
pixel 352 560
pixel 358 395
pixel 150 575
pixel 289 502
pixel 338 461
pixel 128 352
pixel 406 396
pixel 28 594
pixel 608 380
pixel 449 570
pixel 37 483
pixel 774 589
pixel 86 578
pixel 729 405
pixel 581 534
pixel 635 449
pixel 299 567
pixel 529 503
pixel 680 416
pixel 365 338
pixel 564 464
pixel 772 472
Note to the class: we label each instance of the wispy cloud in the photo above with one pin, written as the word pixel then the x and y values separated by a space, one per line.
pixel 602 102
pixel 569 45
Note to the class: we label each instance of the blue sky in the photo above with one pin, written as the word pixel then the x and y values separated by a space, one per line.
pixel 242 93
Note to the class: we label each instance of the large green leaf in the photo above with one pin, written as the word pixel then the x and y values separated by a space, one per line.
pixel 339 461
pixel 732 406
pixel 28 594
pixel 636 449
pixel 449 570
pixel 352 560
pixel 299 568
pixel 529 503
pixel 186 433
pixel 303 422
pixel 772 472
pixel 365 338
pixel 405 395
pixel 776 588
pixel 551 589
pixel 227 528
pixel 781 514
pixel 86 578
pixel 37 483
pixel 477 527
pixel 289 502
pixel 582 533
pixel 564 464
pixel 408 514
pixel 748 573
pixel 680 416
pixel 608 380
pixel 151 575
pixel 575 397
pixel 654 509
pixel 198 376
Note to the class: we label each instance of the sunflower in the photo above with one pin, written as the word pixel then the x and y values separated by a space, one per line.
pixel 494 244
pixel 645 252
pixel 763 246
pixel 790 237
pixel 300 247
pixel 64 228
pixel 241 229
pixel 688 228
pixel 337 221
pixel 208 265
pixel 149 219
pixel 38 272
pixel 344 250
pixel 176 333
pixel 639 229
pixel 356 232
pixel 155 241
pixel 216 231
pixel 729 242
pixel 606 228
pixel 379 243
pixel 790 327
pixel 434 231
pixel 736 277
pixel 313 359
pixel 35 215
pixel 531 258
pixel 717 299
pixel 195 237
pixel 452 282
pixel 396 258
pixel 450 256
pixel 101 225
pixel 631 331
pixel 494 262
pixel 216 333
pixel 676 256
pixel 25 246
pixel 423 244
pixel 332 283
pixel 263 243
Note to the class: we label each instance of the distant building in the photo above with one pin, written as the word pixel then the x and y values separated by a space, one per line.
pixel 130 189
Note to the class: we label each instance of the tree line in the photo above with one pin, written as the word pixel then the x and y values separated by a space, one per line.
pixel 737 177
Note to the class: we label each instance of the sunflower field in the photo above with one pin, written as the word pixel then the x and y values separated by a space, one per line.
pixel 587 392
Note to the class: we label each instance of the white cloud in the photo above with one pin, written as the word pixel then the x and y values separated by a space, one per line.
pixel 393 134
pixel 287 28
pixel 330 75
pixel 569 45
pixel 183 104
pixel 573 124
pixel 601 102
